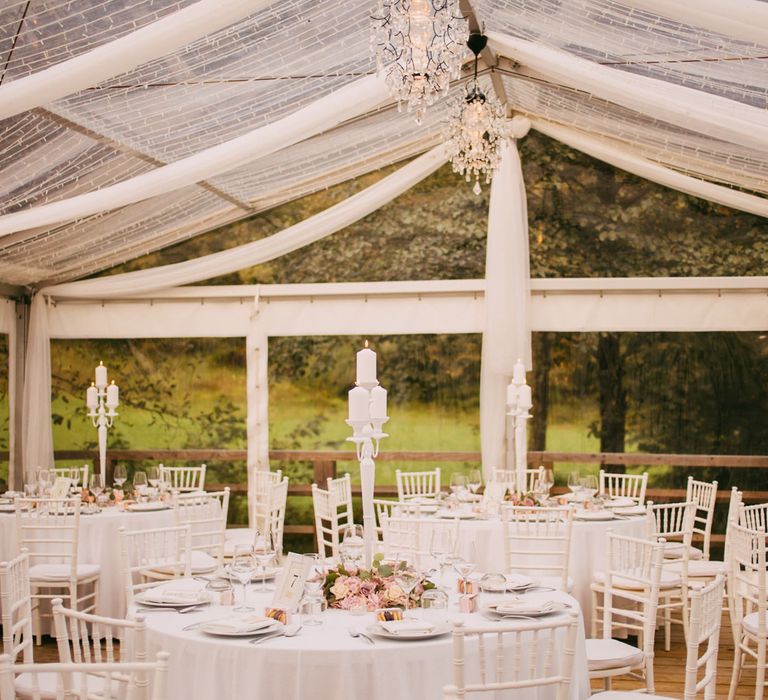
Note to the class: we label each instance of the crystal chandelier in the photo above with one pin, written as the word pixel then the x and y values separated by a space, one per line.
pixel 419 44
pixel 477 125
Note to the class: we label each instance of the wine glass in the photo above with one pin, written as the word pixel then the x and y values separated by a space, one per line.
pixel 442 545
pixel 589 485
pixel 43 481
pixel 548 478
pixel 313 588
pixel 474 480
pixel 407 580
pixel 352 549
pixel 139 483
pixel 119 476
pixel 264 552
pixel 242 567
pixel 464 568
pixel 574 483
pixel 153 476
pixel 458 483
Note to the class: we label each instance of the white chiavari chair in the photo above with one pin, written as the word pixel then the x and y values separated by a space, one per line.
pixel 630 590
pixel 509 478
pixel 260 485
pixel 341 488
pixel 206 515
pixel 183 478
pixel 86 681
pixel 145 552
pixel 702 648
pixel 77 475
pixel 16 608
pixel 537 542
pixel 278 497
pixel 754 517
pixel 49 529
pixel 327 528
pixel 550 647
pixel 410 538
pixel 624 486
pixel 704 495
pixel 424 484
pixel 673 522
pixel 748 600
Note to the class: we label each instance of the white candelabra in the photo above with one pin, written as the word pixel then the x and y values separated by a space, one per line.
pixel 101 400
pixel 367 415
pixel 519 403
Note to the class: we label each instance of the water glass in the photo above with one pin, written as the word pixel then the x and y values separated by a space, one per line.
pixel 242 567
pixel 153 476
pixel 574 483
pixel 434 605
pixel 313 590
pixel 352 548
pixel 589 485
pixel 264 553
pixel 474 480
pixel 407 580
pixel 119 476
pixel 139 484
pixel 458 483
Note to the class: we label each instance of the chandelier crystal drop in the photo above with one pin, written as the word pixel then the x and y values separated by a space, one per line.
pixel 477 126
pixel 419 45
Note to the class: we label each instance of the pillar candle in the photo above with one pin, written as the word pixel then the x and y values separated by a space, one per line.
pixel 366 366
pixel 378 403
pixel 112 395
pixel 92 397
pixel 524 397
pixel 518 373
pixel 358 404
pixel 511 395
pixel 101 376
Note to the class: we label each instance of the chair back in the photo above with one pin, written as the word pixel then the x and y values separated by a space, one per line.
pixel 49 529
pixel 278 497
pixel 85 681
pixel 672 521
pixel 538 541
pixel 704 495
pixel 16 608
pixel 183 478
pixel 747 575
pixel 141 551
pixel 509 478
pixel 326 522
pixel 706 606
pixel 413 484
pixel 83 638
pixel 734 510
pixel 341 488
pixel 411 538
pixel 754 517
pixel 260 483
pixel 206 515
pixel 624 486
pixel 77 475
pixel 529 656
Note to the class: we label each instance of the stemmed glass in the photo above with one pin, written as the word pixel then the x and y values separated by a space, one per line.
pixel 474 480
pixel 119 476
pixel 313 588
pixel 264 552
pixel 464 568
pixel 352 549
pixel 547 477
pixel 407 579
pixel 589 485
pixel 442 545
pixel 242 567
pixel 574 483
pixel 139 484
pixel 153 476
pixel 43 481
pixel 458 483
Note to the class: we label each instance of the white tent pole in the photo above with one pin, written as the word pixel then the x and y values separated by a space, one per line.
pixel 603 150
pixel 124 54
pixel 256 365
pixel 325 113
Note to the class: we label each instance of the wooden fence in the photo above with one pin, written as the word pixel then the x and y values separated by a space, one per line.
pixel 325 464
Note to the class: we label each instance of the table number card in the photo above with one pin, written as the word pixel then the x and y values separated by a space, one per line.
pixel 290 587
pixel 60 488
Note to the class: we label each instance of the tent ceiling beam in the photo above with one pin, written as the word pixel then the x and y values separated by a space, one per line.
pixel 135 153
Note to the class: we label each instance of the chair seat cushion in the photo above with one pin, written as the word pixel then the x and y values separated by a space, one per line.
pixel 60 572
pixel 700 568
pixel 675 550
pixel 239 534
pixel 47 682
pixel 201 563
pixel 749 623
pixel 605 654
pixel 669 579
pixel 626 695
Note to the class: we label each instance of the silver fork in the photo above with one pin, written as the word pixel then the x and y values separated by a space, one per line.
pixel 357 633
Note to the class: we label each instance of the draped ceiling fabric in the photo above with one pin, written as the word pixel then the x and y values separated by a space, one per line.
pixel 125 136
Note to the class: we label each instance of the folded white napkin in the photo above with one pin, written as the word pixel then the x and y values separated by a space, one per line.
pixel 239 625
pixel 407 626
pixel 166 594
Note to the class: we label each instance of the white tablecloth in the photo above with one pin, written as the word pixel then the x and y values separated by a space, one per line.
pixel 483 542
pixel 99 544
pixel 321 663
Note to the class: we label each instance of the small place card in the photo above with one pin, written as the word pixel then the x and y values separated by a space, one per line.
pixel 60 488
pixel 290 586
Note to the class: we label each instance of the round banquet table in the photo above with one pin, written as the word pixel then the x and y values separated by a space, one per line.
pixel 482 541
pixel 99 543
pixel 325 662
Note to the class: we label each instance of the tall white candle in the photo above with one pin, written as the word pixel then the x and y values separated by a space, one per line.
pixel 92 397
pixel 112 395
pixel 524 397
pixel 358 404
pixel 101 376
pixel 366 366
pixel 378 403
pixel 511 395
pixel 518 373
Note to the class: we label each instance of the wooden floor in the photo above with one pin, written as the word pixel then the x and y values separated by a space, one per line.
pixel 669 666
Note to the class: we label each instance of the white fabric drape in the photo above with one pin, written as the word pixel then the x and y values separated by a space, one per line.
pixel 507 335
pixel 305 232
pixel 37 430
pixel 687 108
pixel 746 20
pixel 325 113
pixel 605 151
pixel 124 54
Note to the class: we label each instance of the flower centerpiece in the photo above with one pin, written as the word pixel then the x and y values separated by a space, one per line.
pixel 377 587
pixel 529 498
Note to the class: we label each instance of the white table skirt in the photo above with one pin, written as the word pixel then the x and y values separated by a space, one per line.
pixel 322 663
pixel 99 544
pixel 483 542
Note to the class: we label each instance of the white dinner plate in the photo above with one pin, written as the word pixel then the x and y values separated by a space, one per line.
pixel 220 629
pixel 515 582
pixel 147 507
pixel 452 514
pixel 526 608
pixel 593 515
pixel 203 597
pixel 436 631
pixel 622 502
pixel 634 510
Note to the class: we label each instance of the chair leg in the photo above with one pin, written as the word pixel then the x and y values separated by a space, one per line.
pixel 760 671
pixel 667 626
pixel 736 672
pixel 593 633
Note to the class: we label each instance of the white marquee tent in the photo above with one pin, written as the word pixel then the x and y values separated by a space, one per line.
pixel 128 126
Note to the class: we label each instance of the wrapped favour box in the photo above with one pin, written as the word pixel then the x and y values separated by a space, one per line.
pixel 468 603
pixel 389 614
pixel 278 614
pixel 468 587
